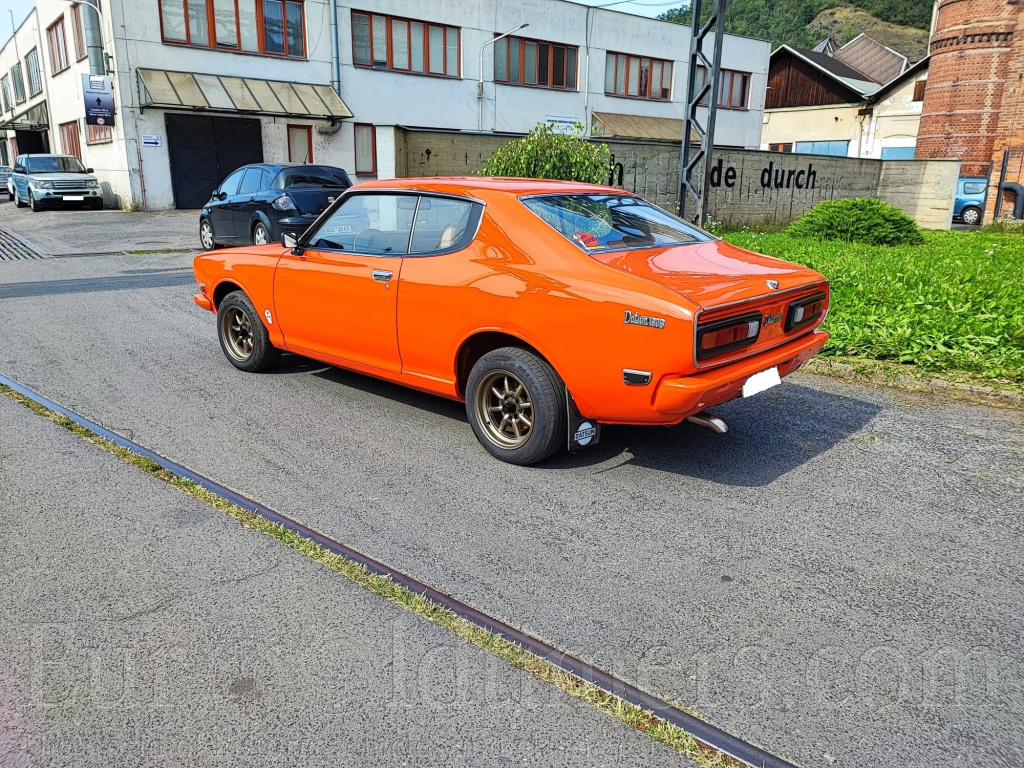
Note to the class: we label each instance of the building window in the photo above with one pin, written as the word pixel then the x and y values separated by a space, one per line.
pixel 76 30
pixel 5 86
pixel 19 83
pixel 386 42
pixel 300 144
pixel 366 149
pixel 69 139
pixel 833 148
pixel 35 79
pixel 533 62
pixel 788 147
pixel 98 134
pixel 276 27
pixel 637 76
pixel 58 46
pixel 733 90
pixel 919 87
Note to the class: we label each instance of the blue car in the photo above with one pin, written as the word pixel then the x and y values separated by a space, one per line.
pixel 970 199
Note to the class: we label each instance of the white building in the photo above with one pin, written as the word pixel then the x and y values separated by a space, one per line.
pixel 205 85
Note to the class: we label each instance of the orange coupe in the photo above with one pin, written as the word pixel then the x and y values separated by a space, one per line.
pixel 549 307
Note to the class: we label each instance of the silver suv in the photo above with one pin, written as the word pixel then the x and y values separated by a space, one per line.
pixel 43 181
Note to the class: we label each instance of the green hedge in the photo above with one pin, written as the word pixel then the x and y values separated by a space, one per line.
pixel 867 221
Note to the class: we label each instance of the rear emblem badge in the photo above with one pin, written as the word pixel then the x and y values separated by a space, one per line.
pixel 771 319
pixel 632 318
pixel 773 284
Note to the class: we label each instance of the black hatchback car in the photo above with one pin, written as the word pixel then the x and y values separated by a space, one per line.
pixel 258 203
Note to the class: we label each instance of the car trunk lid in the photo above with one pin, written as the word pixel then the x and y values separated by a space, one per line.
pixel 313 202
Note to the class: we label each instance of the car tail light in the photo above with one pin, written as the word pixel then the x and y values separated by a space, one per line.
pixel 805 311
pixel 727 335
pixel 284 203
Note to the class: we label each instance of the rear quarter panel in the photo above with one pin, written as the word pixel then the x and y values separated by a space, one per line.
pixel 521 278
pixel 251 269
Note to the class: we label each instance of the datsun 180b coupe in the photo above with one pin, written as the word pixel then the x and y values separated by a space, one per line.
pixel 550 308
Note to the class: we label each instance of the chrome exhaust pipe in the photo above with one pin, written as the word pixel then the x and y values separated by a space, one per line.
pixel 709 421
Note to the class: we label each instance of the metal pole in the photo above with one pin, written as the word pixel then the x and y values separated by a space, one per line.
pixel 93 29
pixel 699 34
pixel 480 82
pixel 335 52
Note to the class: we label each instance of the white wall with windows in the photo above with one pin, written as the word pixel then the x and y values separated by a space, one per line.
pixel 22 84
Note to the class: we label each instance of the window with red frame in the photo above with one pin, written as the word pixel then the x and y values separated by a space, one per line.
pixel 69 139
pixel 275 27
pixel 387 42
pixel 366 149
pixel 519 61
pixel 77 31
pixel 98 134
pixel 638 76
pixel 58 46
pixel 782 147
pixel 733 89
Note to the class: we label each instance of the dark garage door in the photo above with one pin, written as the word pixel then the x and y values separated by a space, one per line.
pixel 204 150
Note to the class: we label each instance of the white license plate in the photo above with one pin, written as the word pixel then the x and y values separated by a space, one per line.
pixel 759 382
pixel 74 197
pixel 338 229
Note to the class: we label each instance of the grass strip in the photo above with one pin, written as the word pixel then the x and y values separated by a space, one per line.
pixel 635 717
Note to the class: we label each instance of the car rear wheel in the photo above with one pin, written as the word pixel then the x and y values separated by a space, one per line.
pixel 260 235
pixel 243 337
pixel 17 199
pixel 971 215
pixel 206 236
pixel 516 406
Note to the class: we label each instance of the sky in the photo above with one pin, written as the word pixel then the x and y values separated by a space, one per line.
pixel 21 9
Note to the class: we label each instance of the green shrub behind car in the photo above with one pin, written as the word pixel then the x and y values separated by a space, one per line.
pixel 859 220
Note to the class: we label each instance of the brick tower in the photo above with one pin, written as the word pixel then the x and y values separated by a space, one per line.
pixel 974 102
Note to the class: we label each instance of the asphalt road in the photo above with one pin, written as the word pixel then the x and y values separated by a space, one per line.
pixel 139 627
pixel 838 579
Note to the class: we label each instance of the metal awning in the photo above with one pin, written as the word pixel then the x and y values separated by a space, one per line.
pixel 218 93
pixel 35 118
pixel 613 125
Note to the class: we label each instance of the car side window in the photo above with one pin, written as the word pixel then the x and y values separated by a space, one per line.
pixel 230 184
pixel 250 181
pixel 265 178
pixel 974 187
pixel 443 223
pixel 373 224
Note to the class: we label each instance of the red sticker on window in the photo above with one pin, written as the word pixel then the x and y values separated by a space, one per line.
pixel 586 239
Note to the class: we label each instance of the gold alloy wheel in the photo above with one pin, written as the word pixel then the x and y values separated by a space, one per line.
pixel 236 330
pixel 504 409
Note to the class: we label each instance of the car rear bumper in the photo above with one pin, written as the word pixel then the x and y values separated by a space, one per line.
pixel 681 397
pixel 292 225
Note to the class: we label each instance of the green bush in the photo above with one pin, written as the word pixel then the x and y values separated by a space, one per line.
pixel 544 154
pixel 867 221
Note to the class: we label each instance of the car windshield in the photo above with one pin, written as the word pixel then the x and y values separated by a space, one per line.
pixel 312 177
pixel 53 164
pixel 609 222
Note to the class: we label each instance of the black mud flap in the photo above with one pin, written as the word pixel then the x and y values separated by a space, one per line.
pixel 583 433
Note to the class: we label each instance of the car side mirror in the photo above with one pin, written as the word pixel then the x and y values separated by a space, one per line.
pixel 221 195
pixel 288 240
pixel 88 170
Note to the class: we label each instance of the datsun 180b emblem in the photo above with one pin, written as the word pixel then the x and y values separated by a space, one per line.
pixel 632 318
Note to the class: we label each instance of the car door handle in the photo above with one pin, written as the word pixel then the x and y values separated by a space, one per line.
pixel 382 275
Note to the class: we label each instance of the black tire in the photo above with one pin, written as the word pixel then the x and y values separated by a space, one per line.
pixel 17 200
pixel 207 237
pixel 33 203
pixel 245 342
pixel 257 230
pixel 544 393
pixel 10 195
pixel 971 215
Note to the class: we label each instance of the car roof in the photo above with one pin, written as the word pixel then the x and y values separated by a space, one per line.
pixel 509 185
pixel 282 166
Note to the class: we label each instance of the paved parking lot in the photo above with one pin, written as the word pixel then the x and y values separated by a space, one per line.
pixel 838 579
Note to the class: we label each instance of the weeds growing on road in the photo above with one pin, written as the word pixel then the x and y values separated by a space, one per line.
pixel 642 720
pixel 953 305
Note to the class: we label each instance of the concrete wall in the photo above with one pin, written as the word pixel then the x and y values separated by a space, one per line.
pixel 748 186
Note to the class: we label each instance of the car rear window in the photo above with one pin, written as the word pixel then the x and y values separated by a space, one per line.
pixel 974 187
pixel 312 177
pixel 609 222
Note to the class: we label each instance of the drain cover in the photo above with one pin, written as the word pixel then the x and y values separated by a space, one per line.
pixel 13 248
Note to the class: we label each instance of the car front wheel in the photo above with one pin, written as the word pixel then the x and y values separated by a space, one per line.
pixel 971 215
pixel 206 236
pixel 260 235
pixel 33 203
pixel 243 337
pixel 516 406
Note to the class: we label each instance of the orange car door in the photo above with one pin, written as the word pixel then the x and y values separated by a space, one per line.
pixel 338 297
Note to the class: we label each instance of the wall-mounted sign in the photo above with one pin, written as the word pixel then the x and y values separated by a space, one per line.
pixel 152 140
pixel 99 100
pixel 571 126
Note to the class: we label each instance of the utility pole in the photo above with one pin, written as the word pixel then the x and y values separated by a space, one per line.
pixel 689 187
